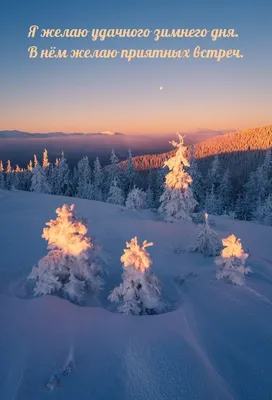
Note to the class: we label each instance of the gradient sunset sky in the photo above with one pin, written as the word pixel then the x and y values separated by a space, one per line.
pixel 83 95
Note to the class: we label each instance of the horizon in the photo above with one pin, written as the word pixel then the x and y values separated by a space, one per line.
pixel 112 133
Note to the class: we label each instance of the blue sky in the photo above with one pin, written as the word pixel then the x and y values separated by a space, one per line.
pixel 41 95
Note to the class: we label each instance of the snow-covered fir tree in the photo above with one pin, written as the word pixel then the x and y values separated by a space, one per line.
pixel 98 178
pixel 212 203
pixel 17 178
pixel 27 176
pixel 70 267
pixel 140 291
pixel 9 176
pixel 263 213
pixel 225 193
pixel 196 185
pixel 35 162
pixel 45 163
pixel 30 166
pixel 113 172
pixel 159 185
pixel 84 186
pixel 130 174
pixel 207 242
pixel 259 186
pixel 177 201
pixel 231 264
pixel 39 183
pixel 136 199
pixel 54 178
pixel 2 176
pixel 63 177
pixel 214 174
pixel 255 191
pixel 115 194
pixel 74 179
pixel 150 195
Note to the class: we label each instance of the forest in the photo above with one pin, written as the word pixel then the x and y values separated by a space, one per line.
pixel 229 175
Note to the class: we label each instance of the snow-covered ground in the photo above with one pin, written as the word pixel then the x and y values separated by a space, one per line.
pixel 214 341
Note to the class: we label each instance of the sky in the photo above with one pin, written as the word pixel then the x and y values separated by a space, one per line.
pixel 88 95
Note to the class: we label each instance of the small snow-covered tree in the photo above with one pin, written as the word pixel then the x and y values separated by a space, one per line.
pixel 39 182
pixel 17 178
pixel 84 185
pixel 263 213
pixel 63 179
pixel 98 180
pixel 30 166
pixel 45 163
pixel 212 203
pixel 115 194
pixel 9 175
pixel 208 241
pixel 215 174
pixel 113 172
pixel 136 199
pixel 150 196
pixel 140 291
pixel 196 185
pixel 231 264
pixel 35 162
pixel 159 185
pixel 70 267
pixel 177 201
pixel 130 174
pixel 2 176
pixel 225 193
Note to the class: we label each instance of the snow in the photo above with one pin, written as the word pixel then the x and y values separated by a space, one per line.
pixel 213 342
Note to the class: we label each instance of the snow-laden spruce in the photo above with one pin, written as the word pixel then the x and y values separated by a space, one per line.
pixel 115 193
pixel 84 186
pixel 136 199
pixel 263 212
pixel 70 267
pixel 207 241
pixel 177 200
pixel 39 183
pixel 140 291
pixel 231 264
pixel 98 180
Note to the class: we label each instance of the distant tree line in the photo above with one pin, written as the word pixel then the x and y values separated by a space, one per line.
pixel 235 182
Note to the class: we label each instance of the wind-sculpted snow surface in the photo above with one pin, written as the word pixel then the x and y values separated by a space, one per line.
pixel 214 344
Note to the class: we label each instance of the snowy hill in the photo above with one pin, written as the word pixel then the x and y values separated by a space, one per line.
pixel 214 341
pixel 230 146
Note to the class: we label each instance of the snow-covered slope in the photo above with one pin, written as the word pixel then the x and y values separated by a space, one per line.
pixel 215 341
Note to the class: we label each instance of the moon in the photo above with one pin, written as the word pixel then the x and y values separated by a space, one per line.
pixel 161 87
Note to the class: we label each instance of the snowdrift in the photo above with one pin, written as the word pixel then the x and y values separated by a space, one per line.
pixel 215 341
